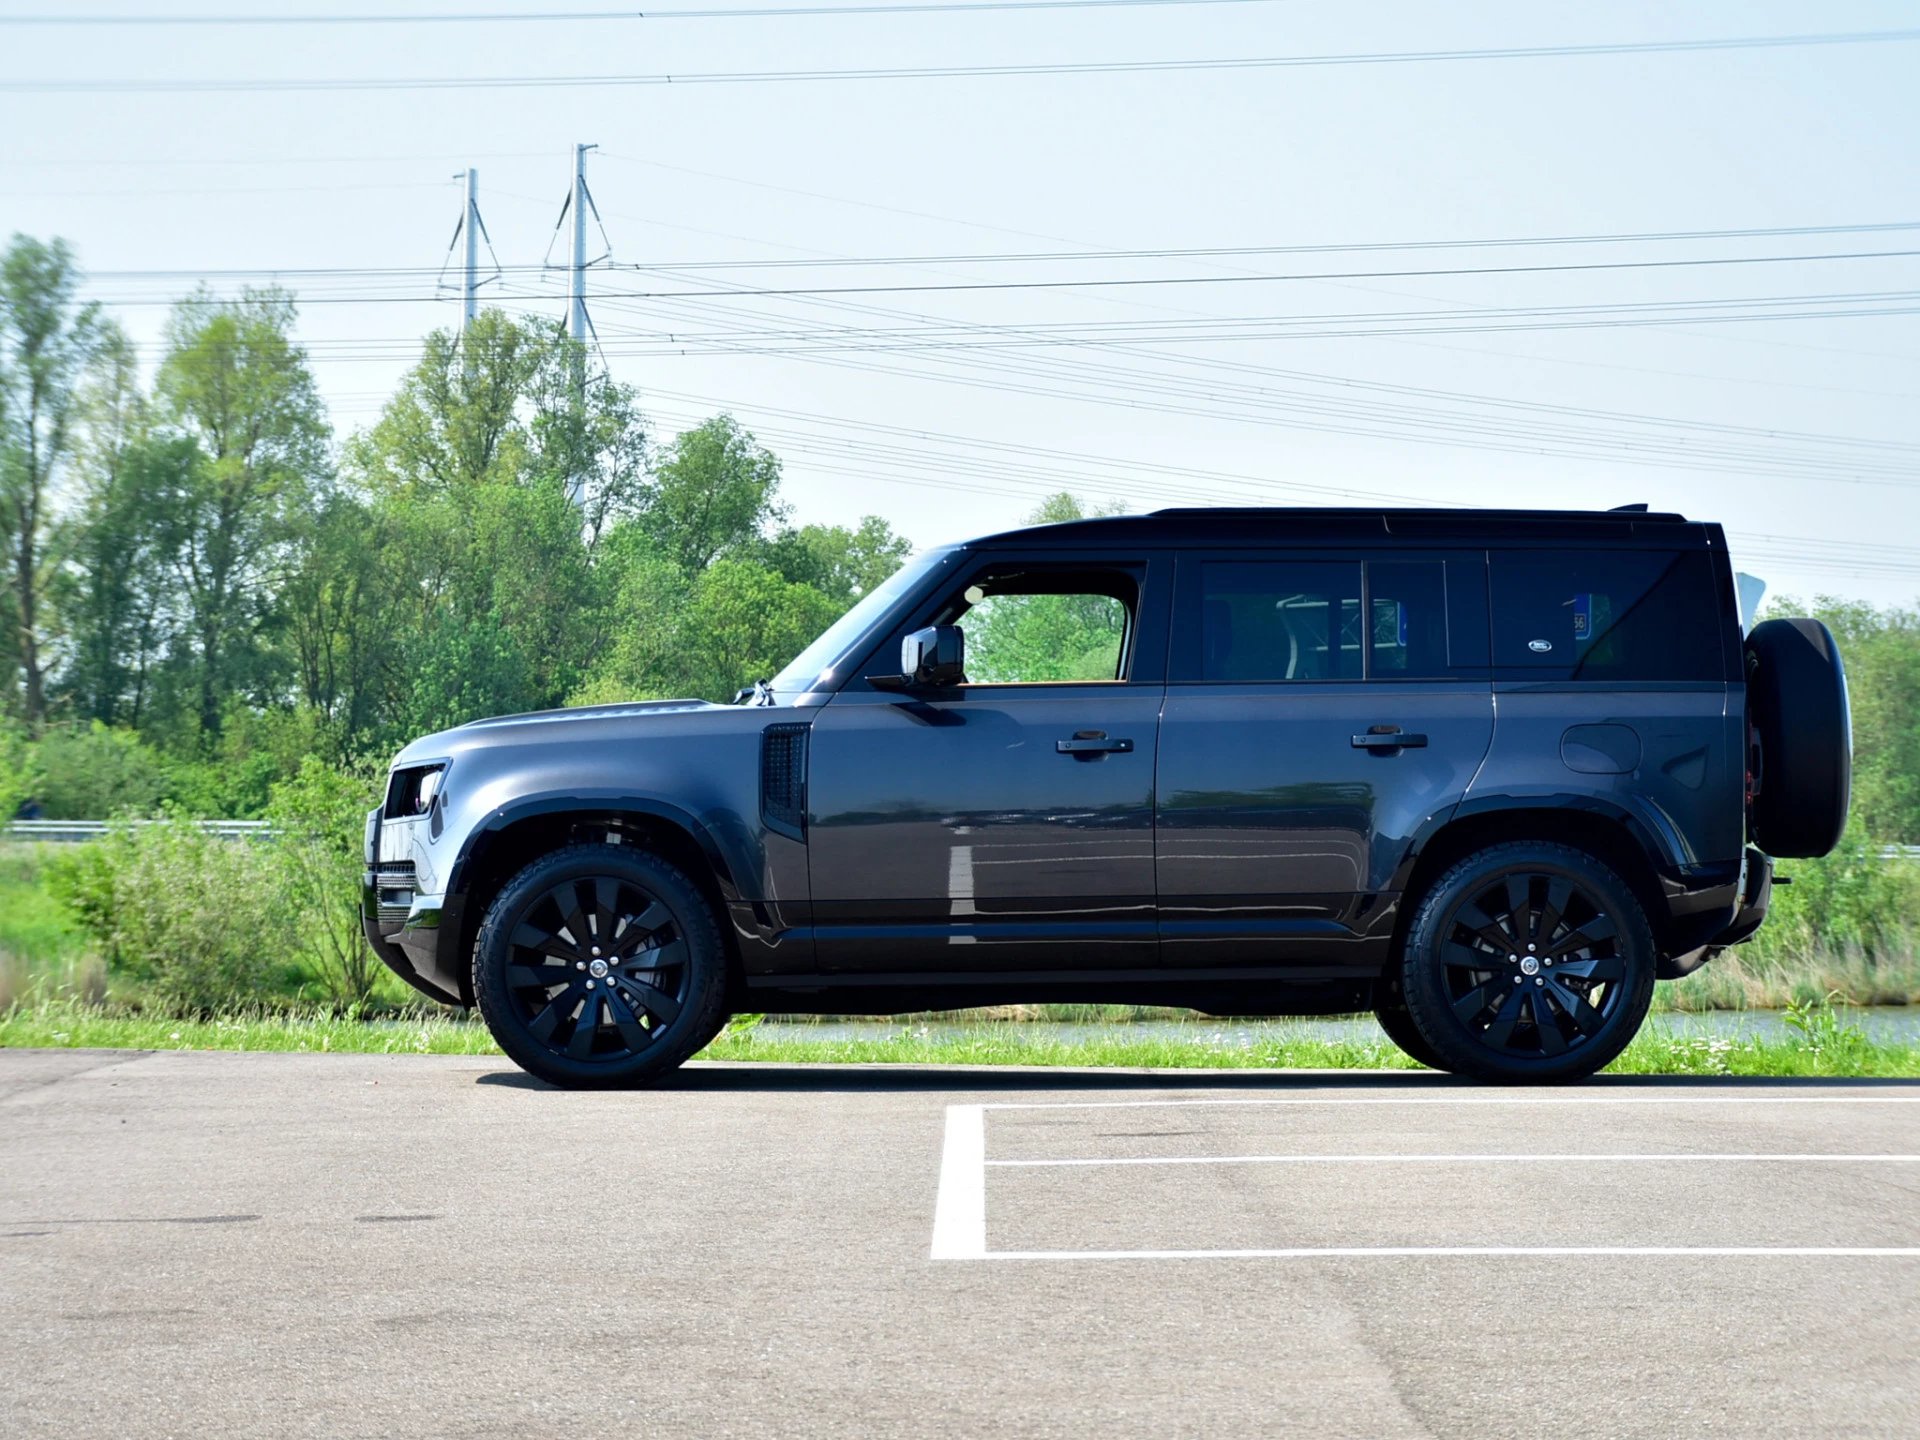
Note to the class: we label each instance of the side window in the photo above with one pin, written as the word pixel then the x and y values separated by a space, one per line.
pixel 1027 627
pixel 1259 621
pixel 1408 635
pixel 1273 620
pixel 1606 615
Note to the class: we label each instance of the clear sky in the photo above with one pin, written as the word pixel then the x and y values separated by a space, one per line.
pixel 1802 435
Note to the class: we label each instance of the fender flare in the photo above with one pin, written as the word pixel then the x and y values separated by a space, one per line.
pixel 600 801
pixel 1659 842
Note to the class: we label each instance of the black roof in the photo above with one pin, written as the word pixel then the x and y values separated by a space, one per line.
pixel 1228 526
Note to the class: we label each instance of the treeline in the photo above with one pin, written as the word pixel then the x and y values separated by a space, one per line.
pixel 204 583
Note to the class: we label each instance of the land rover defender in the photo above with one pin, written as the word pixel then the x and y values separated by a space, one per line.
pixel 1487 774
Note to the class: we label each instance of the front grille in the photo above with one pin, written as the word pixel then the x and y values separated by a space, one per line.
pixel 783 779
pixel 393 869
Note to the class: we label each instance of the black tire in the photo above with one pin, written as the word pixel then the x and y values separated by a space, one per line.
pixel 650 969
pixel 1568 964
pixel 711 1031
pixel 1390 1009
pixel 1803 731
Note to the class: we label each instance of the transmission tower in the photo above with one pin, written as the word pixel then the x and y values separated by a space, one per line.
pixel 579 203
pixel 472 230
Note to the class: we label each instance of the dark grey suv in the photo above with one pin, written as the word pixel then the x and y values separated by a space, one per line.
pixel 1487 774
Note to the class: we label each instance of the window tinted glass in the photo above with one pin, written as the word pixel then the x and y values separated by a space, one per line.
pixel 1015 639
pixel 1606 615
pixel 1408 602
pixel 1275 620
pixel 1032 624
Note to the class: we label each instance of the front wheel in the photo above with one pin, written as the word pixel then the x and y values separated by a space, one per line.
pixel 600 966
pixel 1528 961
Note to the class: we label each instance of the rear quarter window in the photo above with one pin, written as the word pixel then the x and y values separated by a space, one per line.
pixel 1606 615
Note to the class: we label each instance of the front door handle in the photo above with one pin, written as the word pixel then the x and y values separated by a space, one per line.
pixel 1384 738
pixel 1092 744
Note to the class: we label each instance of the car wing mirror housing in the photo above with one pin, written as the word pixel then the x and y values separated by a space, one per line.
pixel 933 658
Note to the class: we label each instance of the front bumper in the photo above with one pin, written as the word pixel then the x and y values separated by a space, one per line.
pixel 406 937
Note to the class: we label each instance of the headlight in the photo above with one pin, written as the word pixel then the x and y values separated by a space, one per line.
pixel 411 792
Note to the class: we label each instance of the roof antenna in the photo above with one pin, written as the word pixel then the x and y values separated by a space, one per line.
pixel 1639 507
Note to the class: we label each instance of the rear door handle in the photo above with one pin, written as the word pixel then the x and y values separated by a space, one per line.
pixel 1383 739
pixel 1092 745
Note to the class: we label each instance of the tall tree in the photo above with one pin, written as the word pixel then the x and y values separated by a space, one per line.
pixel 345 603
pixel 840 563
pixel 460 416
pixel 235 382
pixel 715 494
pixel 47 341
pixel 595 444
pixel 114 596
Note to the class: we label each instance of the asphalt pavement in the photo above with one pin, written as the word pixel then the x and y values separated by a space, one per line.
pixel 223 1244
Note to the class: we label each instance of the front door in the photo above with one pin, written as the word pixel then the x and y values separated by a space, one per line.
pixel 1006 823
pixel 1321 710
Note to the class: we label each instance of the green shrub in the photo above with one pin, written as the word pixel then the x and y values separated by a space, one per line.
pixel 19 768
pixel 94 773
pixel 258 749
pixel 203 922
pixel 318 817
pixel 1852 902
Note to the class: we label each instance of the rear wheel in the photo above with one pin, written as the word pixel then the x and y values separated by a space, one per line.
pixel 1390 1009
pixel 599 966
pixel 1528 961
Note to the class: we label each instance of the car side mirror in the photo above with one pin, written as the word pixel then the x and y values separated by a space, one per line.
pixel 933 658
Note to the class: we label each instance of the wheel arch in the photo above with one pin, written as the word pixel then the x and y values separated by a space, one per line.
pixel 518 834
pixel 1612 835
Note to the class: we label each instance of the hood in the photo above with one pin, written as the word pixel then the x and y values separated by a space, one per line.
pixel 498 729
pixel 588 712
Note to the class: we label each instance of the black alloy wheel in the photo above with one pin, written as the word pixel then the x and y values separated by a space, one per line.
pixel 599 965
pixel 1529 962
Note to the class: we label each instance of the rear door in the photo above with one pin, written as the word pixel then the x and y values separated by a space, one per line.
pixel 1617 676
pixel 1323 707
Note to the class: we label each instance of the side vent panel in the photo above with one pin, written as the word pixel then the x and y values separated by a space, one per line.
pixel 783 780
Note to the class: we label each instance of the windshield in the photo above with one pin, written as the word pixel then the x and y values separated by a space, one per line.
pixel 812 669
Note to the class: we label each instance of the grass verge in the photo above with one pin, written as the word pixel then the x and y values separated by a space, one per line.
pixel 1825 1045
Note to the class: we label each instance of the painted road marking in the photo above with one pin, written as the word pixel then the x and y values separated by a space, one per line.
pixel 1474 1098
pixel 1356 1252
pixel 960 1208
pixel 1458 1159
pixel 960 1212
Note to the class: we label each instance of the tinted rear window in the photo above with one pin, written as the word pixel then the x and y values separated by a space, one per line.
pixel 1260 621
pixel 1606 615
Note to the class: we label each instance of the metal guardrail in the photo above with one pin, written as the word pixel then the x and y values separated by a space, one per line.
pixel 75 831
pixel 1900 852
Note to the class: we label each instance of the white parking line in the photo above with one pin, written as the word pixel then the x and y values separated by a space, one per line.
pixel 960 1211
pixel 1367 1252
pixel 1484 1097
pixel 1458 1159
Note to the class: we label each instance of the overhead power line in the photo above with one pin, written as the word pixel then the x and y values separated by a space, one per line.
pixel 1216 252
pixel 471 17
pixel 1136 282
pixel 1021 257
pixel 943 72
pixel 1130 282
